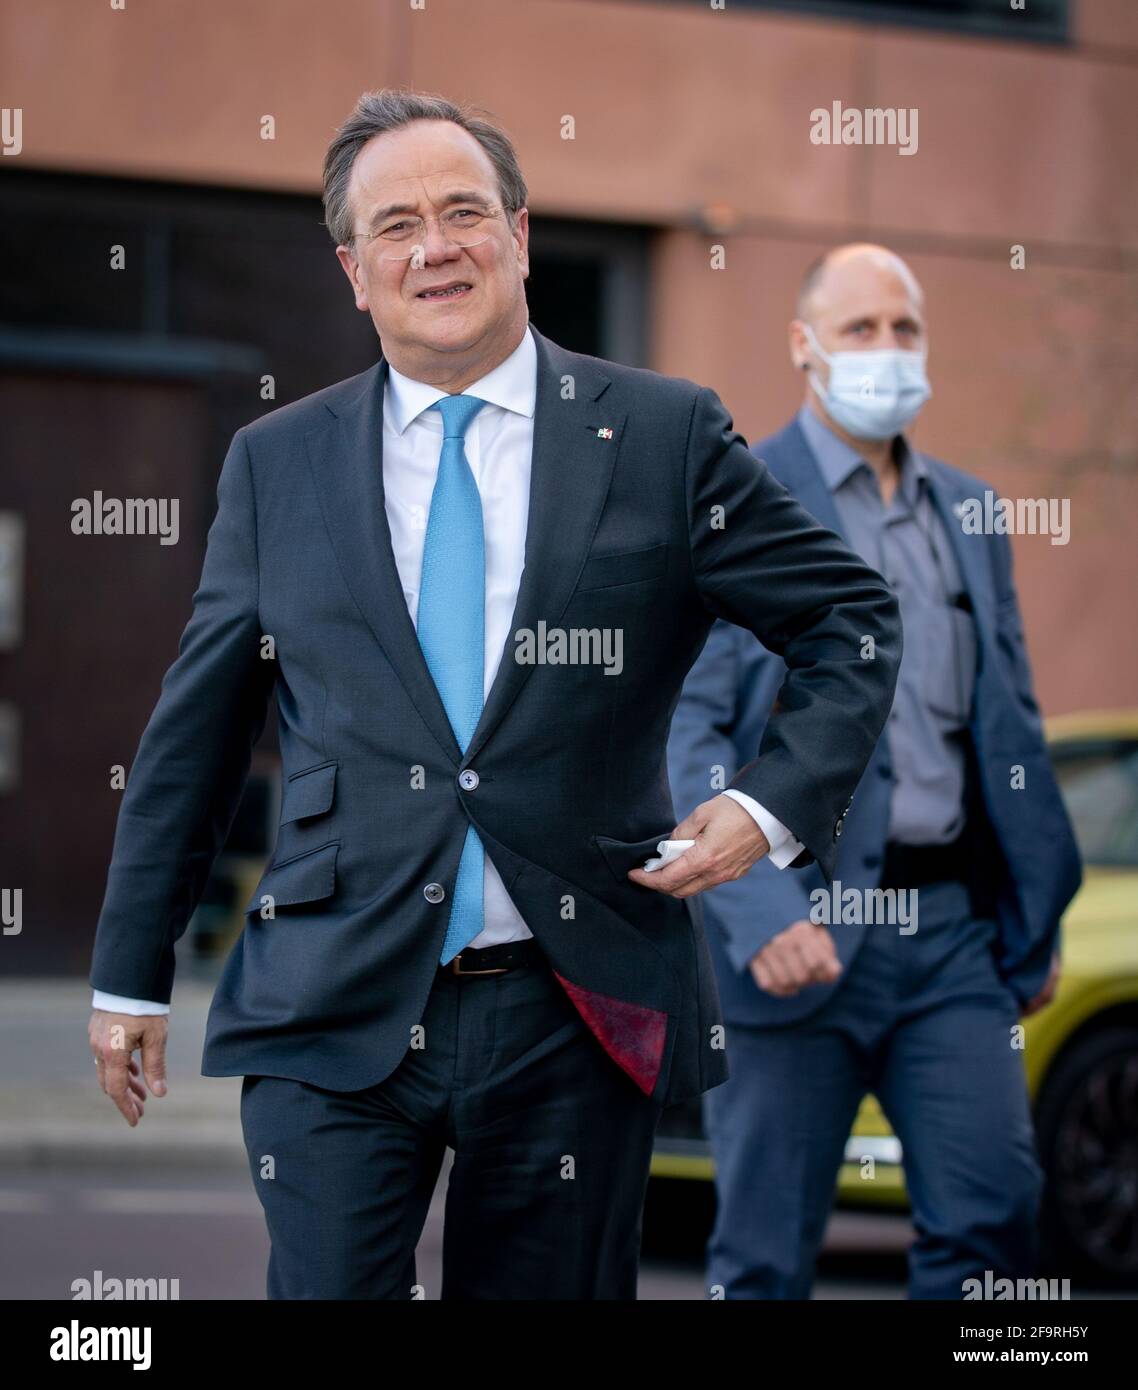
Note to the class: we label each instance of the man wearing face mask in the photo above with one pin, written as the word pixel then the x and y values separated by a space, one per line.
pixel 913 995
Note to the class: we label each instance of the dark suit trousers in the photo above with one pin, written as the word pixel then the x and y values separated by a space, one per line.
pixel 552 1146
pixel 925 1023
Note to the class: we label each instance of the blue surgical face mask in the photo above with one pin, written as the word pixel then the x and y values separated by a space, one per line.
pixel 874 394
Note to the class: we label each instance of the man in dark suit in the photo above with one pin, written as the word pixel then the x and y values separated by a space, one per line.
pixel 956 861
pixel 476 576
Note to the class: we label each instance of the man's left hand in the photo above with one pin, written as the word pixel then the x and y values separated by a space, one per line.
pixel 727 842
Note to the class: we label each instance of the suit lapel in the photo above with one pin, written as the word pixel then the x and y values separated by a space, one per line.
pixel 795 466
pixel 971 559
pixel 569 480
pixel 347 462
pixel 570 474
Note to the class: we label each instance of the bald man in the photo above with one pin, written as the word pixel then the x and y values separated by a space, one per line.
pixel 914 993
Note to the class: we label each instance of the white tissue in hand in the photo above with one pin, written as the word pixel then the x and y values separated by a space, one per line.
pixel 667 850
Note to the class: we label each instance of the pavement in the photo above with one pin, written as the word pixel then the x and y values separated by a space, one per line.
pixel 206 1230
pixel 80 1190
pixel 52 1111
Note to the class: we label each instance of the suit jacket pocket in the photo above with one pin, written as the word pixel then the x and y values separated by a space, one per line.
pixel 622 855
pixel 305 878
pixel 308 792
pixel 623 567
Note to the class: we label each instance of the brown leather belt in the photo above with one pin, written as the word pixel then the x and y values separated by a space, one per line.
pixel 494 960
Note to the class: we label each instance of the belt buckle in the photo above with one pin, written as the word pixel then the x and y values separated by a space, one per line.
pixel 456 968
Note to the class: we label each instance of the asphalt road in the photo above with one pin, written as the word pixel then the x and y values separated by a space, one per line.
pixel 174 1199
pixel 207 1231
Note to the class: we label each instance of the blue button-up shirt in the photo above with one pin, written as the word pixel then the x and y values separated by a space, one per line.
pixel 906 542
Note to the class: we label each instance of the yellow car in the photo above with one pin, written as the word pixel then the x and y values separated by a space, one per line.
pixel 1080 1053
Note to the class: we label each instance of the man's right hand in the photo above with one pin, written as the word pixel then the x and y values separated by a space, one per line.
pixel 804 954
pixel 114 1039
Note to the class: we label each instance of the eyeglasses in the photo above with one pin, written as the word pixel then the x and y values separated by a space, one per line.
pixel 404 237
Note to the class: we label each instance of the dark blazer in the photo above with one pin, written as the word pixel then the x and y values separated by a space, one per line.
pixel 1031 858
pixel 573 788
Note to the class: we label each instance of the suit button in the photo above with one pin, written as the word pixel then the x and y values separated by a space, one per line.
pixel 838 827
pixel 434 892
pixel 468 779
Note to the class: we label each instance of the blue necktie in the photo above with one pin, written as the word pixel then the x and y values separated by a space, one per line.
pixel 451 627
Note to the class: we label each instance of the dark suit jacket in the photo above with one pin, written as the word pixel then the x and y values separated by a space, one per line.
pixel 573 787
pixel 1030 857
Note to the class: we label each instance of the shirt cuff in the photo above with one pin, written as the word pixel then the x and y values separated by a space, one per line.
pixel 120 1004
pixel 784 847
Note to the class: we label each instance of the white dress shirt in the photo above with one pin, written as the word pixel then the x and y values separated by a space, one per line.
pixel 499 447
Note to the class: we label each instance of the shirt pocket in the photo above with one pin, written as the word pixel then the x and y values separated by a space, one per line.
pixel 947 650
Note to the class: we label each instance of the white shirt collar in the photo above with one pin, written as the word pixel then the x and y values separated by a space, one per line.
pixel 512 385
